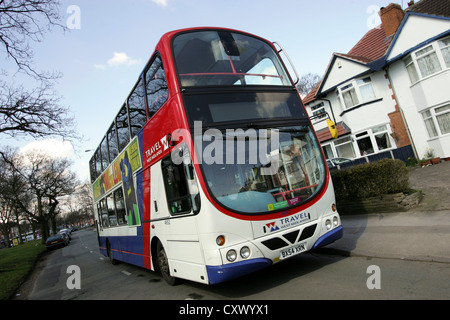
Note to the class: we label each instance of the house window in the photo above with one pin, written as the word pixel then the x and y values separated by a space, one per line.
pixel 366 89
pixel 349 96
pixel 437 120
pixel 356 92
pixel 382 139
pixel 412 72
pixel 373 140
pixel 318 111
pixel 429 123
pixel 428 60
pixel 445 50
pixel 328 151
pixel 344 148
pixel 364 143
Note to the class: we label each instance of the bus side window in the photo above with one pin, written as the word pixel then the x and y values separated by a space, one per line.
pixel 105 154
pixel 112 142
pixel 156 86
pixel 120 206
pixel 92 169
pixel 123 131
pixel 104 213
pixel 111 210
pixel 98 162
pixel 99 215
pixel 177 192
pixel 136 108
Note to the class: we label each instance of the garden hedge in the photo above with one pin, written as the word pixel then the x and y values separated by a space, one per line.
pixel 373 179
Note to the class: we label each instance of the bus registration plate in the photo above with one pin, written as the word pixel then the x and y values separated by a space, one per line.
pixel 293 250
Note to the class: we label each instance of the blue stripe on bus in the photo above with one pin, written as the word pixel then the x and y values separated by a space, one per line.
pixel 125 248
pixel 218 274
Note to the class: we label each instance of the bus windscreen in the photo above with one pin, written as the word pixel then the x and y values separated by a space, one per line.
pixel 223 58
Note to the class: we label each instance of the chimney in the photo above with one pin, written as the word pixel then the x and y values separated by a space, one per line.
pixel 391 18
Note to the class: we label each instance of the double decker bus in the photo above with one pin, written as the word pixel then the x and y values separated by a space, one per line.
pixel 211 169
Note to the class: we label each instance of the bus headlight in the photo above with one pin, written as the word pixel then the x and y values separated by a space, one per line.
pixel 335 221
pixel 328 224
pixel 245 252
pixel 231 255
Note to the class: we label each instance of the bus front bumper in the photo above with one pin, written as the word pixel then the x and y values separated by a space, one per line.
pixel 218 274
pixel 222 273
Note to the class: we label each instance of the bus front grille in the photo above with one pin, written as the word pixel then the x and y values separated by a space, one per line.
pixel 290 238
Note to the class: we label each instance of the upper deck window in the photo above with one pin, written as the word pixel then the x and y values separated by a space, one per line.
pixel 223 58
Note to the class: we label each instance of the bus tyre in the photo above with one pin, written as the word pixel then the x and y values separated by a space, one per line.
pixel 163 265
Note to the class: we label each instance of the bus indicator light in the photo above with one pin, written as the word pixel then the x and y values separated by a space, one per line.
pixel 220 240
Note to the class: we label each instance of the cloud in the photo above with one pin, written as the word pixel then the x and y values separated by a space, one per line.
pixel 162 3
pixel 52 147
pixel 118 59
pixel 121 58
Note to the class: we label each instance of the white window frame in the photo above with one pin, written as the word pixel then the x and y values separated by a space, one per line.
pixel 431 118
pixel 437 53
pixel 353 88
pixel 318 110
pixel 372 133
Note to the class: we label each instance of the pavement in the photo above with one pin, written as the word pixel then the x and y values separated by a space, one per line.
pixel 420 234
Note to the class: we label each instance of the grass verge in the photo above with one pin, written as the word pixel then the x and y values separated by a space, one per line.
pixel 15 265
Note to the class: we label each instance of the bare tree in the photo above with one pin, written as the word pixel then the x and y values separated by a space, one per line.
pixel 12 187
pixel 46 180
pixel 23 21
pixel 307 82
pixel 34 112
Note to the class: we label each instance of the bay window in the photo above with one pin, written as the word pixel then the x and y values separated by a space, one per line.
pixel 437 120
pixel 428 60
pixel 444 45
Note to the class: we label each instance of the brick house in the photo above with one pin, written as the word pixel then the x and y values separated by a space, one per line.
pixel 390 92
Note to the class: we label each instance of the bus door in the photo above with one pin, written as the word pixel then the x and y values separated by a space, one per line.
pixel 175 203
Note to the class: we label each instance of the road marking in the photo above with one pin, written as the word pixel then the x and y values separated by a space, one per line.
pixel 126 273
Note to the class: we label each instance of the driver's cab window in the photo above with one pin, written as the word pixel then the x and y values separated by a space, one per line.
pixel 180 182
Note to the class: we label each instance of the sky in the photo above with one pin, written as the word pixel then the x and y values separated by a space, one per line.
pixel 109 42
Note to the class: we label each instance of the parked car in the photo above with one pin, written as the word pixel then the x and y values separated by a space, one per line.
pixel 56 241
pixel 67 232
pixel 332 163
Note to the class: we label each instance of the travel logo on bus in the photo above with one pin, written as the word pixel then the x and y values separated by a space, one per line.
pixel 287 222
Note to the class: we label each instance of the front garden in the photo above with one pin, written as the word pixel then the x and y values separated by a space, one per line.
pixel 381 186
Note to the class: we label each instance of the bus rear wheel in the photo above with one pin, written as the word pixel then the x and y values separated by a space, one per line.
pixel 163 265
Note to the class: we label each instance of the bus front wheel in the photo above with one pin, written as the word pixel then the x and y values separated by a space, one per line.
pixel 163 265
